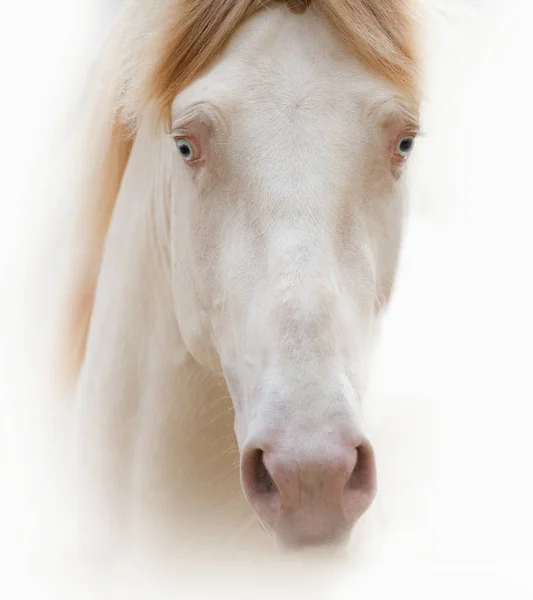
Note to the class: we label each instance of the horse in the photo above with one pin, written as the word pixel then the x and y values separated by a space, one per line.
pixel 242 198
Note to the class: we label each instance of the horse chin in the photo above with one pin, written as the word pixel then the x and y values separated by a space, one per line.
pixel 324 546
pixel 310 546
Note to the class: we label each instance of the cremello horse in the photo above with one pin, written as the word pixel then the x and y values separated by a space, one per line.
pixel 243 199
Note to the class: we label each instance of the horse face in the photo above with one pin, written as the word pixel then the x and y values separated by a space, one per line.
pixel 286 228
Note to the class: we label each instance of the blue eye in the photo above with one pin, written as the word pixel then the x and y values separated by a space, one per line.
pixel 405 145
pixel 186 149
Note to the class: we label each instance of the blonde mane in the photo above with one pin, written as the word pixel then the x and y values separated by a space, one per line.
pixel 139 69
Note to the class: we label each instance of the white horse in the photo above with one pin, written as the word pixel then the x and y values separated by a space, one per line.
pixel 244 199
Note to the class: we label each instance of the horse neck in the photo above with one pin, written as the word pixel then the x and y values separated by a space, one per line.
pixel 164 424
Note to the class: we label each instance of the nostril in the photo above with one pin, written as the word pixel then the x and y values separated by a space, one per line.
pixel 363 475
pixel 259 486
pixel 260 480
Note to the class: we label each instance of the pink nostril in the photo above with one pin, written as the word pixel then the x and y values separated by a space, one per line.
pixel 360 488
pixel 259 486
pixel 260 480
pixel 362 477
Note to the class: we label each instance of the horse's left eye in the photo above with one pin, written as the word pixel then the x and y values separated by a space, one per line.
pixel 405 145
pixel 186 149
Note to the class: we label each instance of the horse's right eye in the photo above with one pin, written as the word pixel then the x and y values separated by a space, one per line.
pixel 187 149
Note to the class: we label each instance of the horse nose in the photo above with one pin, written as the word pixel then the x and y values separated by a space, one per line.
pixel 310 498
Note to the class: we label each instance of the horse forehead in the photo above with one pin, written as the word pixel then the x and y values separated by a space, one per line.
pixel 298 83
pixel 300 68
pixel 288 60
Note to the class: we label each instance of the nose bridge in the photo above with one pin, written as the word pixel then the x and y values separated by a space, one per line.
pixel 306 353
pixel 304 290
pixel 307 414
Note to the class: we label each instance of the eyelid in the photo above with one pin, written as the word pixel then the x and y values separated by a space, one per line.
pixel 204 116
pixel 413 130
pixel 184 120
pixel 201 113
pixel 180 131
pixel 408 132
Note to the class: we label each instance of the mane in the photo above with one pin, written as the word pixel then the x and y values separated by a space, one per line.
pixel 157 48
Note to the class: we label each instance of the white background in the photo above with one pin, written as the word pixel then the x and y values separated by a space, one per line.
pixel 452 405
